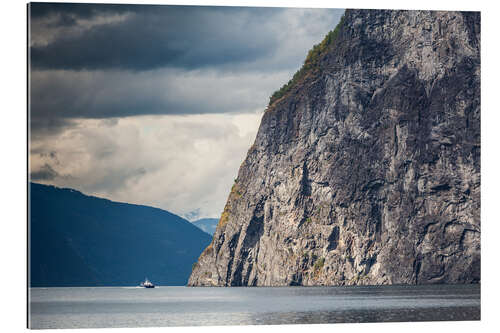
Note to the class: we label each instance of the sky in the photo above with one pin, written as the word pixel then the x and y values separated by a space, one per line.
pixel 157 105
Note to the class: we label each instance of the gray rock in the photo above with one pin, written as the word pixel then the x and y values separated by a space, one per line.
pixel 367 171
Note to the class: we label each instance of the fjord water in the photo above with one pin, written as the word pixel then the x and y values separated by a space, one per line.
pixel 88 307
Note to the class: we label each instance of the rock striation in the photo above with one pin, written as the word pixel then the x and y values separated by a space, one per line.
pixel 366 169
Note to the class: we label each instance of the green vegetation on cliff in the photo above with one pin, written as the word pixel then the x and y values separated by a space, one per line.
pixel 311 63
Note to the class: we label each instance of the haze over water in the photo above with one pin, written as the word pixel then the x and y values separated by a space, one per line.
pixel 183 306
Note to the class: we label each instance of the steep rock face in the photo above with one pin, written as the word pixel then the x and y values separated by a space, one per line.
pixel 367 171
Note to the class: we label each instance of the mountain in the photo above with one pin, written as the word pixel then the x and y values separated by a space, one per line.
pixel 80 240
pixel 207 225
pixel 366 165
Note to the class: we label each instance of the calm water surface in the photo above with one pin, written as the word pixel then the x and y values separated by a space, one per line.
pixel 184 306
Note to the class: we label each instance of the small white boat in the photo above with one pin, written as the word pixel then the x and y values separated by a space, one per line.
pixel 147 284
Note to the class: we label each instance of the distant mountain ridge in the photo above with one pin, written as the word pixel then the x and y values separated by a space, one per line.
pixel 80 240
pixel 208 225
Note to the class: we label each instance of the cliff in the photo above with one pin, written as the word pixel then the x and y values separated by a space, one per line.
pixel 366 165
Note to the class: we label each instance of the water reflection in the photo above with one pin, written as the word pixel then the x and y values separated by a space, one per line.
pixel 368 316
pixel 181 306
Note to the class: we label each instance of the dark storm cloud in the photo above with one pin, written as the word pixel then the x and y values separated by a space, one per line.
pixel 111 61
pixel 46 172
pixel 103 77
pixel 150 37
pixel 58 97
pixel 40 10
pixel 43 122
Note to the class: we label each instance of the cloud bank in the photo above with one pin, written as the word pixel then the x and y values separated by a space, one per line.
pixel 157 104
pixel 182 164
